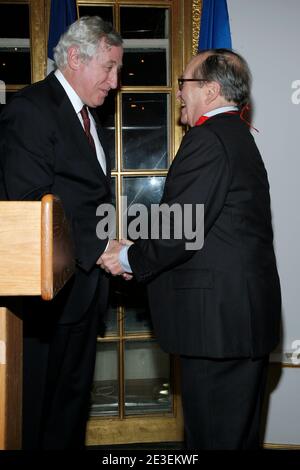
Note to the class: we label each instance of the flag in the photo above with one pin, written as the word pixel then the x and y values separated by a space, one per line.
pixel 62 14
pixel 214 27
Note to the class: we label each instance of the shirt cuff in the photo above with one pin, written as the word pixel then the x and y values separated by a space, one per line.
pixel 123 259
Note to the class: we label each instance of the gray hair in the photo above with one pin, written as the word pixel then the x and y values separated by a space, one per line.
pixel 85 33
pixel 230 70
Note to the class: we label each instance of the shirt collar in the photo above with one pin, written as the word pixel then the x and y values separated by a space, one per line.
pixel 223 109
pixel 72 95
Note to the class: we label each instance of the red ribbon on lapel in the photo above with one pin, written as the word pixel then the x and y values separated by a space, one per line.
pixel 244 109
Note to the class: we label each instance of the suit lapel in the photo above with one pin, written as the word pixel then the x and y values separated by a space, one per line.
pixel 73 128
pixel 102 141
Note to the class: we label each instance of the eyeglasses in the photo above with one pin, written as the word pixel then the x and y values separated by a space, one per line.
pixel 182 80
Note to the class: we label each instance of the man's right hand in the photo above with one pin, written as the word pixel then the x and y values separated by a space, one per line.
pixel 109 260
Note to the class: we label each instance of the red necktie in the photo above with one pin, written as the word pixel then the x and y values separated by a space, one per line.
pixel 87 125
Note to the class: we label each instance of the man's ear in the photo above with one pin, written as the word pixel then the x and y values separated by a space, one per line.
pixel 73 57
pixel 212 91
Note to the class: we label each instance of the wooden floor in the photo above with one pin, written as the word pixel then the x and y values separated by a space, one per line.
pixel 155 446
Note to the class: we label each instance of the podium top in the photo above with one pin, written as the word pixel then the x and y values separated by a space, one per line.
pixel 36 248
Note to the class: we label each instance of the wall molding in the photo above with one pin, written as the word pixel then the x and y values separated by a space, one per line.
pixel 269 446
pixel 285 358
pixel 196 16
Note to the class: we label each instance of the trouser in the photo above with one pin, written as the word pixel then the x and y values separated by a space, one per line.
pixel 58 374
pixel 222 401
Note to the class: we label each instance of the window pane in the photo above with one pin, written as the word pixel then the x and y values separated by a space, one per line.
pixel 113 190
pixel 132 296
pixel 139 190
pixel 111 323
pixel 137 314
pixel 139 69
pixel 14 21
pixel 137 319
pixel 15 66
pixel 144 22
pixel 143 190
pixel 147 378
pixel 14 44
pixel 105 391
pixel 138 195
pixel 106 13
pixel 146 43
pixel 116 289
pixel 145 130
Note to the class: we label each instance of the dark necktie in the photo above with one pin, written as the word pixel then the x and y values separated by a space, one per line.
pixel 87 125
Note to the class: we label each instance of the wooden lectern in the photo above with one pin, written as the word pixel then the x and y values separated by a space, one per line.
pixel 36 258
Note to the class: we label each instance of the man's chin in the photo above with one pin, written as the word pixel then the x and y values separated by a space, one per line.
pixel 183 120
pixel 183 117
pixel 98 101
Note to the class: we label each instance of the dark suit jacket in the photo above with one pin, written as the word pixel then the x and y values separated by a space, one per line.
pixel 223 300
pixel 43 148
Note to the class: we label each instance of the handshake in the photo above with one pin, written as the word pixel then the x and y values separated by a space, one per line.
pixel 110 259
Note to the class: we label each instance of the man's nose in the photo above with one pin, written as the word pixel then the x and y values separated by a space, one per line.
pixel 113 79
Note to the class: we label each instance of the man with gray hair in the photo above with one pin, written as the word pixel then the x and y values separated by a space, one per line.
pixel 52 142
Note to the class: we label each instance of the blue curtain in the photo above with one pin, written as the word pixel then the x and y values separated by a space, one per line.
pixel 62 14
pixel 214 27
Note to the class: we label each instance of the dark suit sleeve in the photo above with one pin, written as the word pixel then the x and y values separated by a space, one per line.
pixel 88 247
pixel 200 174
pixel 27 151
pixel 28 161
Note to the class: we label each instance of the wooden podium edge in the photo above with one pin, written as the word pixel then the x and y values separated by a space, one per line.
pixel 47 247
pixel 57 247
pixel 10 380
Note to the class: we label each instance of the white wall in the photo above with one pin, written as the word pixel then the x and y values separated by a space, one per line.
pixel 267 34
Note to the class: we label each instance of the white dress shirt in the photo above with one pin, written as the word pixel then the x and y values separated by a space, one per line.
pixel 224 109
pixel 77 105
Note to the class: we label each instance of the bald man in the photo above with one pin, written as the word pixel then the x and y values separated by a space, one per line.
pixel 218 307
